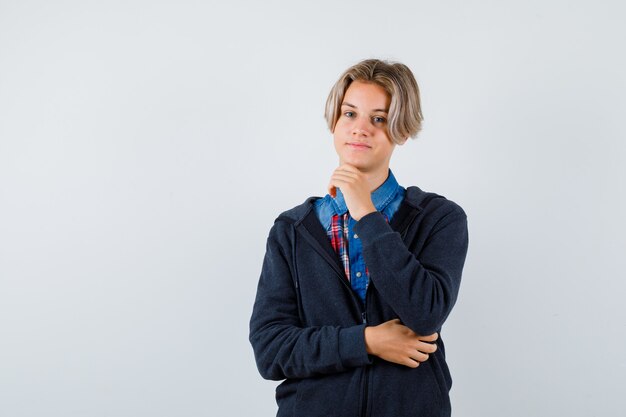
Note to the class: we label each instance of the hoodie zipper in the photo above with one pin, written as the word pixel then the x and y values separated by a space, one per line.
pixel 367 370
pixel 363 310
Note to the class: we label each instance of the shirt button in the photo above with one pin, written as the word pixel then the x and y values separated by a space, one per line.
pixel 358 275
pixel 355 236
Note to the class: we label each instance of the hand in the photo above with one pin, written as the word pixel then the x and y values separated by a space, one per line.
pixel 394 342
pixel 354 188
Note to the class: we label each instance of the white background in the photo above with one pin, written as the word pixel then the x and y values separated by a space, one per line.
pixel 147 146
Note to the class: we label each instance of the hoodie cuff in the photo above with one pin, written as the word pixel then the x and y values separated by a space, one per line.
pixel 352 346
pixel 372 225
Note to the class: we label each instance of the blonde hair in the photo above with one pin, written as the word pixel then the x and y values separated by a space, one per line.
pixel 405 113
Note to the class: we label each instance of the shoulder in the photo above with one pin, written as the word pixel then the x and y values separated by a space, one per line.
pixel 432 204
pixel 283 230
pixel 292 217
pixel 296 214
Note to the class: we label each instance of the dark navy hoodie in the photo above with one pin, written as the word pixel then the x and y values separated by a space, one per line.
pixel 307 325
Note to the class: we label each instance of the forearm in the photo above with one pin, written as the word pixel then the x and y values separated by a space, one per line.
pixel 284 346
pixel 421 291
pixel 284 351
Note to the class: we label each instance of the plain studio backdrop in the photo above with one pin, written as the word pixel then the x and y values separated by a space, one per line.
pixel 147 146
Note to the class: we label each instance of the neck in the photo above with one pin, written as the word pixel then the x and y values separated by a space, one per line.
pixel 376 178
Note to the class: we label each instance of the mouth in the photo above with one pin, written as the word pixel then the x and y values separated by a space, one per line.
pixel 358 145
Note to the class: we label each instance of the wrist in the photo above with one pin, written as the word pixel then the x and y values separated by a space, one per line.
pixel 370 336
pixel 360 213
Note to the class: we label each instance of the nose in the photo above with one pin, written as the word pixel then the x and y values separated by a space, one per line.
pixel 361 127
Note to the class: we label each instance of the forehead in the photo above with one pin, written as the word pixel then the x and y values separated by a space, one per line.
pixel 367 96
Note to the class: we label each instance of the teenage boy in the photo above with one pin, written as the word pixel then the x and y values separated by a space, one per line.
pixel 356 286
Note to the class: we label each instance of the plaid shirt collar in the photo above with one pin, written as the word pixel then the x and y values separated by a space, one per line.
pixel 381 197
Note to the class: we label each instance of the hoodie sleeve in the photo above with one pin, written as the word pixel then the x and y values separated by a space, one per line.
pixel 283 347
pixel 421 287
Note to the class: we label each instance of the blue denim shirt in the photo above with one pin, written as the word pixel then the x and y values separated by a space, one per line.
pixel 386 198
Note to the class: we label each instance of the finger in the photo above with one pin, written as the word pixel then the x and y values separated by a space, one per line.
pixel 410 363
pixel 348 167
pixel 426 347
pixel 429 338
pixel 345 176
pixel 334 184
pixel 344 184
pixel 418 356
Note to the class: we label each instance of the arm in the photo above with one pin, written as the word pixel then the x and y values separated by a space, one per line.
pixel 421 289
pixel 394 269
pixel 283 348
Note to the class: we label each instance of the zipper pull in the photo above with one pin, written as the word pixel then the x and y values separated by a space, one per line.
pixel 364 317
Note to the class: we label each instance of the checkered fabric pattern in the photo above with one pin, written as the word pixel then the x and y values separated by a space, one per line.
pixel 338 234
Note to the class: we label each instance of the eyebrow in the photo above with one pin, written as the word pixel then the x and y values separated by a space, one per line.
pixel 345 103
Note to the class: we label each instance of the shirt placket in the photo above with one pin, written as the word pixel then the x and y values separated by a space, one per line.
pixel 358 270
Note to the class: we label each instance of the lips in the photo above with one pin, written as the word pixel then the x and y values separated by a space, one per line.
pixel 358 145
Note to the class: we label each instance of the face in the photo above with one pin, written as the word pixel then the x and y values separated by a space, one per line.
pixel 360 134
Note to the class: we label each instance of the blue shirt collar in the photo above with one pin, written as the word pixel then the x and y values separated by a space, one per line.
pixel 380 197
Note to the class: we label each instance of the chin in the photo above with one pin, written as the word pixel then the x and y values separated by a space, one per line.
pixel 360 166
pixel 354 159
pixel 354 162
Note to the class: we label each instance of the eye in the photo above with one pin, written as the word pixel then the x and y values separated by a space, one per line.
pixel 379 119
pixel 348 114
